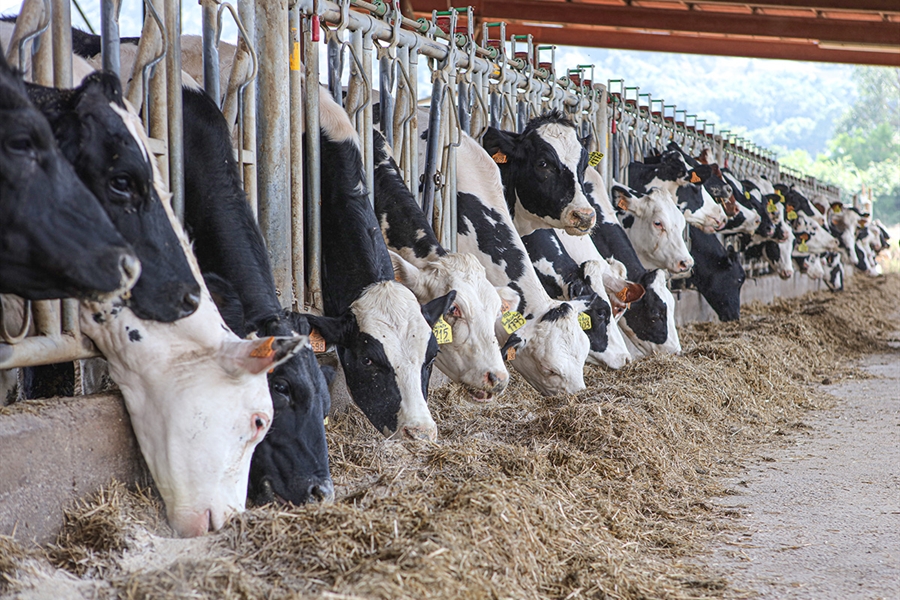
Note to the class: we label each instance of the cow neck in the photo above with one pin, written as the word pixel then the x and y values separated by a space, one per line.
pixel 227 240
pixel 403 224
pixel 608 235
pixel 354 252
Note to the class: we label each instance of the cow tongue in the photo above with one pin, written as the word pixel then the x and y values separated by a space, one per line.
pixel 482 396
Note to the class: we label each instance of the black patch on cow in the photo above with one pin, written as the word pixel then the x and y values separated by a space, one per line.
pixel 395 205
pixel 134 335
pixel 668 167
pixel 533 171
pixel 717 275
pixel 648 317
pixel 600 313
pixel 557 313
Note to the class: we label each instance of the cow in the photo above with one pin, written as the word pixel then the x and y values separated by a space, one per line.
pixel 765 227
pixel 383 336
pixel 649 323
pixel 55 239
pixel 93 129
pixel 195 392
pixel 655 226
pixel 291 462
pixel 778 248
pixel 470 354
pixel 543 172
pixel 717 275
pixel 565 279
pixel 542 336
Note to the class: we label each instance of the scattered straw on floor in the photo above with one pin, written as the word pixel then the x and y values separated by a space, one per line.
pixel 602 494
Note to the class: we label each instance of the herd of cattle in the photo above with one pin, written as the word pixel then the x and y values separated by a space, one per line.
pixel 555 269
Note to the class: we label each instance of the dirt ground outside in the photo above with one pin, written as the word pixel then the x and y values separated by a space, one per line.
pixel 631 489
pixel 820 518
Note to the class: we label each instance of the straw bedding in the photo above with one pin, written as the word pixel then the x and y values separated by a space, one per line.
pixel 602 494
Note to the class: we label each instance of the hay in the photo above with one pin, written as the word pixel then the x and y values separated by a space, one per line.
pixel 601 494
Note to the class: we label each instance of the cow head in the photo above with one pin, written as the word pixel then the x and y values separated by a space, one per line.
pixel 106 145
pixel 472 357
pixel 700 209
pixel 719 280
pixel 656 228
pixel 291 462
pixel 810 237
pixel 55 239
pixel 551 348
pixel 650 322
pixel 543 174
pixel 607 344
pixel 387 355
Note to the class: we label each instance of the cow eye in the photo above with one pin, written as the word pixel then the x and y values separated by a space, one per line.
pixel 658 225
pixel 20 144
pixel 280 386
pixel 120 184
pixel 454 312
pixel 542 164
pixel 367 361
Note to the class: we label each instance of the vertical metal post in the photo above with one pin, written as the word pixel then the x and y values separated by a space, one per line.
pixel 313 169
pixel 42 50
pixel 174 115
pixel 247 12
pixel 210 31
pixel 62 43
pixel 386 77
pixel 109 34
pixel 272 140
pixel 158 109
pixel 412 140
pixel 601 123
pixel 368 140
pixel 335 68
pixel 298 255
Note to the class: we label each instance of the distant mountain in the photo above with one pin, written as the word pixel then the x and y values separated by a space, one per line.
pixel 773 102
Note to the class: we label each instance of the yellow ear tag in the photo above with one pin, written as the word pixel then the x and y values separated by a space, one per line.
pixel 584 320
pixel 326 422
pixel 836 208
pixel 803 247
pixel 594 158
pixel 792 215
pixel 747 195
pixel 510 354
pixel 780 195
pixel 316 341
pixel 512 321
pixel 443 333
pixel 694 177
pixel 499 157
pixel 264 350
pixel 770 207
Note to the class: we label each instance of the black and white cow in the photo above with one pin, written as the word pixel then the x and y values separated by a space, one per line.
pixel 650 321
pixel 55 239
pixel 383 336
pixel 291 462
pixel 765 227
pixel 550 346
pixel 90 125
pixel 543 173
pixel 472 356
pixel 718 274
pixel 565 279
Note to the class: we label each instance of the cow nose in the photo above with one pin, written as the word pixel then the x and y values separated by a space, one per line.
pixel 583 218
pixel 322 491
pixel 189 304
pixel 684 266
pixel 421 432
pixel 130 269
pixel 497 382
pixel 192 525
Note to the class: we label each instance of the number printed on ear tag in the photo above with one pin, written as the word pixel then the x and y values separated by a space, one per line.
pixel 512 321
pixel 443 333
pixel 316 341
pixel 584 320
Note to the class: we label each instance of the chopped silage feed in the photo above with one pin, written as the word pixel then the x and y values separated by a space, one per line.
pixel 601 494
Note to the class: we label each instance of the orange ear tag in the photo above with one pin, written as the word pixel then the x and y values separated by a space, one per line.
pixel 316 341
pixel 264 350
pixel 695 178
pixel 505 305
pixel 499 157
pixel 622 294
pixel 622 203
pixel 511 353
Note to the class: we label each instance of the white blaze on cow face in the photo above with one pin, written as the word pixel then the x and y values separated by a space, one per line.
pixel 473 356
pixel 196 393
pixel 383 312
pixel 815 267
pixel 710 217
pixel 657 232
pixel 817 239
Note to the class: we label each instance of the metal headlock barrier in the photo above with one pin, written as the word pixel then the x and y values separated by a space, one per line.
pixel 479 78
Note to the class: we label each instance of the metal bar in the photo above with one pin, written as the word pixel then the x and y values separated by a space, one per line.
pixel 210 34
pixel 368 140
pixel 158 110
pixel 298 257
pixel 62 43
pixel 173 105
pixel 39 350
pixel 109 35
pixel 247 116
pixel 272 141
pixel 313 170
pixel 432 149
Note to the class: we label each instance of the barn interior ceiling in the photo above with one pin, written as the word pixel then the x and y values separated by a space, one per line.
pixel 844 31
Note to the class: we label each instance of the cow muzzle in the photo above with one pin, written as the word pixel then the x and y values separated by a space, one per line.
pixel 421 432
pixel 581 220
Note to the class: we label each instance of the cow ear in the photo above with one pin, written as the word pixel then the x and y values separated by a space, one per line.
pixel 407 273
pixel 261 355
pixel 622 199
pixel 105 83
pixel 509 298
pixel 513 341
pixel 434 310
pixel 699 174
pixel 586 141
pixel 500 144
pixel 335 330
